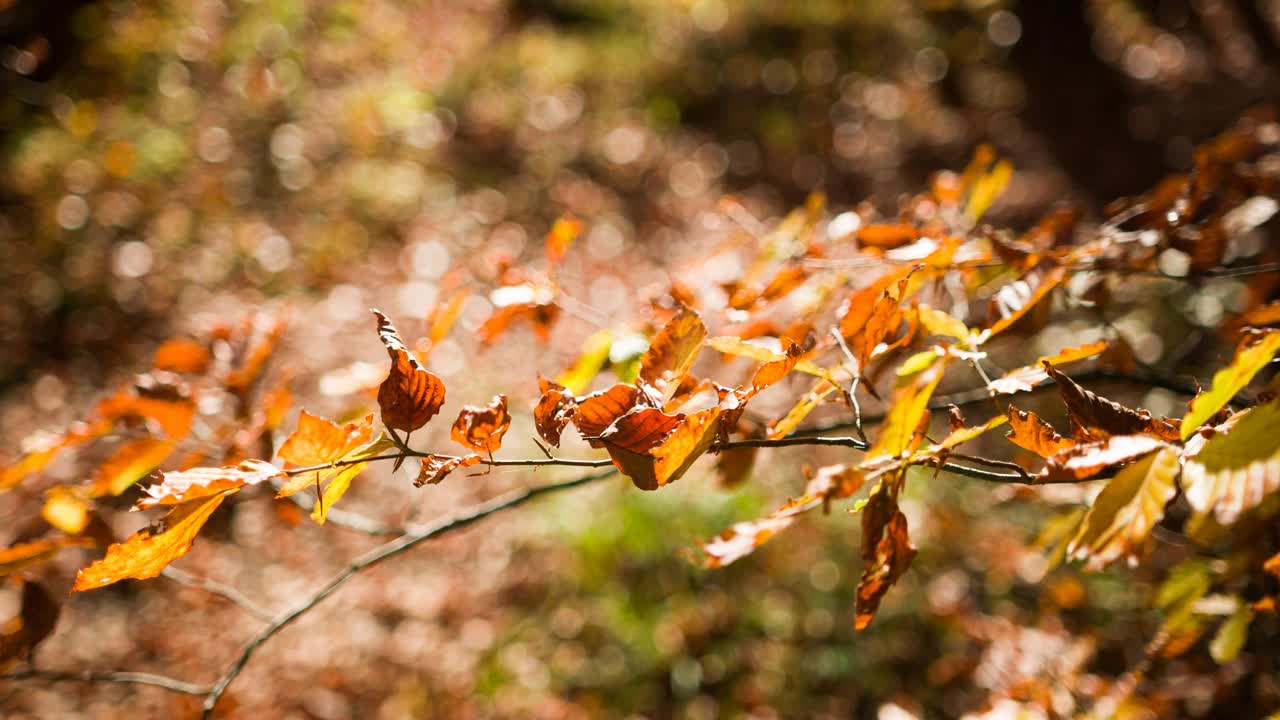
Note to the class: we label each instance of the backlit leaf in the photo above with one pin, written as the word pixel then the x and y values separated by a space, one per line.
pixel 1083 461
pixel 130 463
pixel 182 355
pixel 939 322
pixel 1024 379
pixel 597 411
pixel 807 403
pixel 740 348
pixel 180 487
pixel 147 553
pixel 482 428
pixel 742 539
pixel 1232 635
pixel 410 396
pixel 1016 299
pixel 595 354
pixel 318 441
pixel 1229 381
pixel 563 232
pixel 24 555
pixel 1122 516
pixel 909 406
pixel 672 352
pixel 1029 432
pixel 1238 467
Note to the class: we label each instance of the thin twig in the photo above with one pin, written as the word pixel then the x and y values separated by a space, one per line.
pixel 135 678
pixel 182 577
pixel 383 552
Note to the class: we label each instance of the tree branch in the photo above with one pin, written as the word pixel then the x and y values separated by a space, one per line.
pixel 182 577
pixel 135 678
pixel 383 552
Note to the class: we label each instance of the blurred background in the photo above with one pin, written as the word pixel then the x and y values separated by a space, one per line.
pixel 169 166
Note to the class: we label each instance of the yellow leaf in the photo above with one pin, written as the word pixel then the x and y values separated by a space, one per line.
pixel 987 188
pixel 341 481
pixel 738 347
pixel 150 550
pixel 942 323
pixel 595 353
pixel 130 463
pixel 66 510
pixel 1125 511
pixel 908 408
pixel 1234 470
pixel 1229 381
pixel 25 555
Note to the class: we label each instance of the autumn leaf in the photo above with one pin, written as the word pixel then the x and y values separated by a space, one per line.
pixel 37 618
pixel 1029 432
pixel 887 552
pixel 741 348
pixel 1232 635
pixel 563 232
pixel 442 317
pixel 742 539
pixel 182 355
pixel 939 322
pixel 555 409
pixel 597 411
pixel 857 310
pixel 886 236
pixel 1016 299
pixel 242 377
pixel 180 487
pixel 147 553
pixel 807 403
pixel 527 301
pixel 66 509
pixel 482 428
pixel 910 406
pixel 1096 413
pixel 410 396
pixel 1238 467
pixel 1229 381
pixel 1083 461
pixel 985 188
pixel 318 441
pixel 436 467
pixel 672 352
pixel 1122 516
pixel 593 358
pixel 130 463
pixel 960 435
pixel 1024 379
pixel 24 555
pixel 344 475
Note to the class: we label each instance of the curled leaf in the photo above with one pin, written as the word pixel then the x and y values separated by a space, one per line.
pixel 1029 432
pixel 482 428
pixel 147 552
pixel 1096 413
pixel 410 396
pixel 1024 379
pixel 887 552
pixel 1083 461
pixel 554 410
pixel 180 487
pixel 436 467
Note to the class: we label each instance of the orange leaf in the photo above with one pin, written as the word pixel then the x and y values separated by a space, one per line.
pixel 182 355
pixel 241 378
pixel 1085 460
pixel 147 552
pixel 1029 432
pixel 554 410
pixel 443 316
pixel 535 303
pixel 672 352
pixel 482 428
pixel 318 441
pixel 180 487
pixel 435 467
pixel 858 308
pixel 1025 378
pixel 562 234
pixel 886 236
pixel 807 403
pixel 887 552
pixel 1017 298
pixel 24 555
pixel 410 396
pixel 597 411
pixel 130 463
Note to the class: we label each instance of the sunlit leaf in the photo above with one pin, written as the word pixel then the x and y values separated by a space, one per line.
pixel 528 301
pixel 1024 379
pixel 1229 381
pixel 410 396
pixel 1029 432
pixel 1016 299
pixel 672 352
pixel 1083 461
pixel 318 441
pixel 482 428
pixel 742 539
pixel 344 474
pixel 807 403
pixel 442 317
pixel 740 348
pixel 939 322
pixel 909 406
pixel 563 232
pixel 886 236
pixel 66 509
pixel 1122 516
pixel 597 411
pixel 130 463
pixel 180 487
pixel 147 553
pixel 986 188
pixel 24 555
pixel 1238 467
